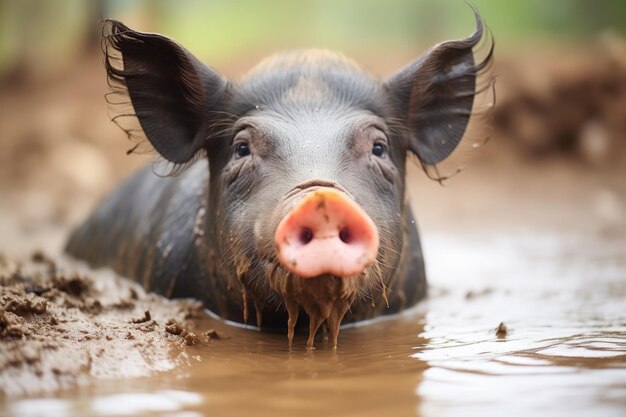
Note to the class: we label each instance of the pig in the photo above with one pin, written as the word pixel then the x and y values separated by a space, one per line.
pixel 291 196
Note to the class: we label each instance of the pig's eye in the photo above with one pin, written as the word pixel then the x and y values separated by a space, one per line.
pixel 378 149
pixel 242 149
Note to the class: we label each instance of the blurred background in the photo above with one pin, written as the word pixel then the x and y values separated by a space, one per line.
pixel 561 90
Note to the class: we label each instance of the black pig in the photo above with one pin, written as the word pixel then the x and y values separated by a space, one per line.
pixel 293 192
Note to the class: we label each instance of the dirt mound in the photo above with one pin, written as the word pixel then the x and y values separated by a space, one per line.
pixel 565 102
pixel 62 325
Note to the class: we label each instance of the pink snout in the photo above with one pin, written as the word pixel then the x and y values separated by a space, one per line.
pixel 326 233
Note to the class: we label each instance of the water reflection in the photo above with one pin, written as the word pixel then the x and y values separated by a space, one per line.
pixel 131 404
pixel 565 349
pixel 370 374
pixel 564 352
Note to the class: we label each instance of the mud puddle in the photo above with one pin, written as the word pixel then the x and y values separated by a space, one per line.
pixel 526 316
pixel 526 263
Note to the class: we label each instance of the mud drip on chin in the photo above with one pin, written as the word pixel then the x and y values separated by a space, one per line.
pixel 259 313
pixel 293 310
pixel 315 321
pixel 324 299
pixel 331 312
pixel 244 297
pixel 382 284
pixel 333 322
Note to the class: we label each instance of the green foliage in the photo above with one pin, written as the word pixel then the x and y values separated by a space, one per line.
pixel 226 29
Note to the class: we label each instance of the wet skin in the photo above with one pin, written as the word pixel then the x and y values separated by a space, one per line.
pixel 299 123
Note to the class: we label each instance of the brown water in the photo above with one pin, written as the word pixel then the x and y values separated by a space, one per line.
pixel 564 354
pixel 547 259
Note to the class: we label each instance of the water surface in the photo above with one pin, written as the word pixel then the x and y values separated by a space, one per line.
pixel 551 268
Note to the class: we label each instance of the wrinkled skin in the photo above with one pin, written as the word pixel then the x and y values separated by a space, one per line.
pixel 343 144
pixel 299 122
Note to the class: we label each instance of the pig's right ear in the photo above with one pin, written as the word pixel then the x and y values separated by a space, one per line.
pixel 176 99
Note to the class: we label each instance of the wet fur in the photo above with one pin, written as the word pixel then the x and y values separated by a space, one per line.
pixel 181 237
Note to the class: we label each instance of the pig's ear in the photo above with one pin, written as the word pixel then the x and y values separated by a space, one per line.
pixel 176 99
pixel 433 96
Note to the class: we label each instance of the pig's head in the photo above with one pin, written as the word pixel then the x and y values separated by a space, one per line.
pixel 307 159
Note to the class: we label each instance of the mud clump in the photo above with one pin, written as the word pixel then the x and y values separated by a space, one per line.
pixel 190 338
pixel 24 305
pixel 501 331
pixel 571 103
pixel 63 325
pixel 212 334
pixel 146 318
pixel 173 327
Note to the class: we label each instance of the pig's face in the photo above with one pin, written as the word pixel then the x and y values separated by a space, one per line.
pixel 307 159
pixel 315 132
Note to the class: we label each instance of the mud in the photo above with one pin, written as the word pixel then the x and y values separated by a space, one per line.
pixel 536 244
pixel 62 326
pixel 564 100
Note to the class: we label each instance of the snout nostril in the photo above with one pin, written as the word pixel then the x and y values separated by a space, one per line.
pixel 306 235
pixel 345 235
pixel 325 232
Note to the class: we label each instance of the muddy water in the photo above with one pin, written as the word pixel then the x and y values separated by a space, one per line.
pixel 550 266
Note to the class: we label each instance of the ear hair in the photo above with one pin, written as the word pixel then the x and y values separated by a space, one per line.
pixel 177 101
pixel 434 95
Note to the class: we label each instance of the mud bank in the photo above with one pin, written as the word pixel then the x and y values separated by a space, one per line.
pixel 62 326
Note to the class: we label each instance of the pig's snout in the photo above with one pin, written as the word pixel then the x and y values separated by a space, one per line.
pixel 326 232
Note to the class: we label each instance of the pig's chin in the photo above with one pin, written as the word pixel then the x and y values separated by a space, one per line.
pixel 325 298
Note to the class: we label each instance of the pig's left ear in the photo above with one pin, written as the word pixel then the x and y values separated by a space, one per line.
pixel 433 96
pixel 177 100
